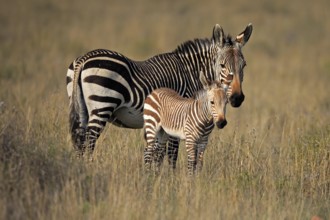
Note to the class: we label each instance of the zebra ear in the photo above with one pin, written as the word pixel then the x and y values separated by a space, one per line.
pixel 206 83
pixel 218 35
pixel 244 37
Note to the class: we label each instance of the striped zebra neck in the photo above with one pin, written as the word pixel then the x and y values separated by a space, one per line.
pixel 201 98
pixel 200 54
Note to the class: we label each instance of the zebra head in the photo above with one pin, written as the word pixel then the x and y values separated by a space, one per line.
pixel 216 100
pixel 230 63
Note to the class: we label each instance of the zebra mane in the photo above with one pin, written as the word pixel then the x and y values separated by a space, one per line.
pixel 228 40
pixel 196 44
pixel 200 94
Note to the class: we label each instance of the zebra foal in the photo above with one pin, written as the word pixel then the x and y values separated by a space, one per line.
pixel 166 113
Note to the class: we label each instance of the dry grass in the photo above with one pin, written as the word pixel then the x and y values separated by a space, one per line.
pixel 270 162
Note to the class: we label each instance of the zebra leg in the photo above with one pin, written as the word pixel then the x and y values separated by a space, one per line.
pixel 200 156
pixel 200 161
pixel 200 153
pixel 94 129
pixel 192 155
pixel 149 149
pixel 160 150
pixel 78 137
pixel 172 151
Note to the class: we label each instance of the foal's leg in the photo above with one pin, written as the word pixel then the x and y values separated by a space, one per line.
pixel 191 148
pixel 200 152
pixel 160 150
pixel 172 151
pixel 150 137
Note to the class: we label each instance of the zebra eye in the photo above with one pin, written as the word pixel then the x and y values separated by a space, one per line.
pixel 212 102
pixel 222 66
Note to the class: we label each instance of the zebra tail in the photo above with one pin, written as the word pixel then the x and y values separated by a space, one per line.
pixel 78 116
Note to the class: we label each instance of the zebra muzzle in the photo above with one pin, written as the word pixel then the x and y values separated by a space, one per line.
pixel 236 100
pixel 221 123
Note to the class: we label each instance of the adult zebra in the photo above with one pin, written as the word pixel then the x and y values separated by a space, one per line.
pixel 105 86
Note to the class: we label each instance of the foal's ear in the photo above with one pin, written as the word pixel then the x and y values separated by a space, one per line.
pixel 205 82
pixel 218 35
pixel 244 37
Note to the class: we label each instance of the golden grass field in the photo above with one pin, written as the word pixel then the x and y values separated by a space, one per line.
pixel 272 160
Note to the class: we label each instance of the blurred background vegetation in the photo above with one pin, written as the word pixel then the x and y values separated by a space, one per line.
pixel 270 162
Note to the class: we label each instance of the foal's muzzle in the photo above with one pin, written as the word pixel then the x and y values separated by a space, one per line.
pixel 221 124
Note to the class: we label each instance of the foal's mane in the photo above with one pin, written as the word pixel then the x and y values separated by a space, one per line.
pixel 200 94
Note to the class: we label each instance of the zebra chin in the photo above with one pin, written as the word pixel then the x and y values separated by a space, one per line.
pixel 221 123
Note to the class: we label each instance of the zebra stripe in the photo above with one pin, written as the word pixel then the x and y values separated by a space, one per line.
pixel 167 113
pixel 106 86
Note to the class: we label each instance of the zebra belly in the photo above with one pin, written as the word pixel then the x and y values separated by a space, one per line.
pixel 175 133
pixel 128 117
